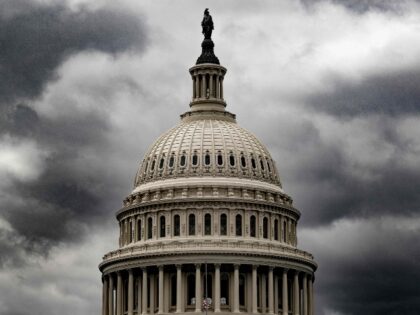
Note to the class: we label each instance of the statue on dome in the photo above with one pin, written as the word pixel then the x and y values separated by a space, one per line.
pixel 207 24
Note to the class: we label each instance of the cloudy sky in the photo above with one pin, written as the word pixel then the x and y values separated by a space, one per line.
pixel 331 87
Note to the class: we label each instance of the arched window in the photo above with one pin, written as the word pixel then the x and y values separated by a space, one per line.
pixel 183 161
pixel 268 165
pixel 284 231
pixel 162 161
pixel 149 228
pixel 253 226
pixel 265 228
pixel 145 168
pixel 232 160
pixel 223 224
pixel 253 163
pixel 153 165
pixel 177 225
pixel 243 161
pixel 139 230
pixel 207 159
pixel 276 229
pixel 162 226
pixel 191 224
pixel 238 222
pixel 195 159
pixel 220 159
pixel 171 161
pixel 130 232
pixel 207 224
pixel 262 164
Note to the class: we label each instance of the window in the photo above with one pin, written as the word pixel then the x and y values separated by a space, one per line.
pixel 253 163
pixel 176 225
pixel 145 168
pixel 242 290
pixel 284 231
pixel 223 224
pixel 162 226
pixel 191 224
pixel 220 159
pixel 262 164
pixel 207 159
pixel 265 228
pixel 232 160
pixel 224 288
pixel 238 222
pixel 153 165
pixel 162 161
pixel 173 290
pixel 243 161
pixel 276 229
pixel 191 290
pixel 149 228
pixel 253 226
pixel 130 232
pixel 171 161
pixel 207 224
pixel 139 230
pixel 268 166
pixel 195 159
pixel 183 161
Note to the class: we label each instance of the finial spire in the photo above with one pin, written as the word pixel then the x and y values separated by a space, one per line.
pixel 207 53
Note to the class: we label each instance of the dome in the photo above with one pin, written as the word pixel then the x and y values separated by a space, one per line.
pixel 207 147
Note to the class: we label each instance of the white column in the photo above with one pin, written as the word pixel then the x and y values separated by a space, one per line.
pixel 276 294
pixel 198 295
pixel 263 291
pixel 211 85
pixel 217 288
pixel 203 86
pixel 111 296
pixel 144 292
pixel 130 292
pixel 284 293
pixel 197 86
pixel 161 287
pixel 236 288
pixel 105 296
pixel 178 288
pixel 305 295
pixel 119 293
pixel 270 291
pixel 217 86
pixel 152 294
pixel 254 290
pixel 311 296
pixel 296 293
pixel 139 295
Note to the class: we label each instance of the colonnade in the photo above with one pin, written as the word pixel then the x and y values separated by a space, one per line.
pixel 207 85
pixel 232 288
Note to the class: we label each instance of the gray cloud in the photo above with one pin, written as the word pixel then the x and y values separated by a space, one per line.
pixel 363 6
pixel 36 38
pixel 385 93
pixel 58 206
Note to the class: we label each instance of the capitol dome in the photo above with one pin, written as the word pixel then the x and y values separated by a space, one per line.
pixel 208 226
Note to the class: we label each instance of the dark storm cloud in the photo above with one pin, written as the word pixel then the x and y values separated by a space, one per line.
pixel 36 38
pixel 385 93
pixel 375 272
pixel 58 206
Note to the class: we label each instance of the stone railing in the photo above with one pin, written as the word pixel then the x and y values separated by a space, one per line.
pixel 188 246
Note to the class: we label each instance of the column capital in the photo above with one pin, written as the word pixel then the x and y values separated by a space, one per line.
pixel 236 266
pixel 130 271
pixel 144 269
pixel 297 272
pixel 285 270
pixel 178 266
pixel 197 266
pixel 270 268
pixel 217 266
pixel 255 266
pixel 160 267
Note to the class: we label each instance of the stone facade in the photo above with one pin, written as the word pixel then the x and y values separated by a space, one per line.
pixel 208 226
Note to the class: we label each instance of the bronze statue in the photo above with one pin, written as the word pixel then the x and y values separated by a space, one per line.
pixel 207 24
